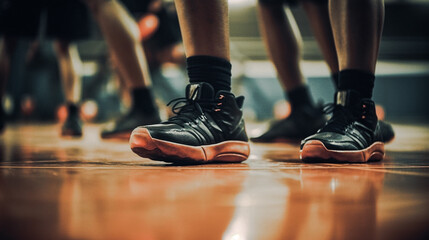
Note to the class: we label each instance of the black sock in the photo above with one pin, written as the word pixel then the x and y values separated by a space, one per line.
pixel 300 97
pixel 335 79
pixel 213 70
pixel 358 80
pixel 73 109
pixel 143 100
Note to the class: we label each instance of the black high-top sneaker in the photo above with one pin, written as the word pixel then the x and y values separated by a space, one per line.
pixel 72 127
pixel 386 131
pixel 121 128
pixel 351 135
pixel 303 122
pixel 208 128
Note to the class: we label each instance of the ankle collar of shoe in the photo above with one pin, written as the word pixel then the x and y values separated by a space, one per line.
pixel 362 108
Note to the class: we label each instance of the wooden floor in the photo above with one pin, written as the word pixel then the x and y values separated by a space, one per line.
pixel 53 188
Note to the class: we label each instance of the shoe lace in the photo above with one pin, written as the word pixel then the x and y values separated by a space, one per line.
pixel 188 109
pixel 340 120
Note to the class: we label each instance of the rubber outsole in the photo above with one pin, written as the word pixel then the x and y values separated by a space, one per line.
pixel 315 151
pixel 145 146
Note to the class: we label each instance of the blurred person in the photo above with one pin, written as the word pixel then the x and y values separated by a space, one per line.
pixel 164 48
pixel 209 125
pixel 70 66
pixel 353 132
pixel 66 22
pixel 283 41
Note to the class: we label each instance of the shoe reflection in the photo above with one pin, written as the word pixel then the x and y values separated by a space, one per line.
pixel 332 203
pixel 328 203
pixel 149 204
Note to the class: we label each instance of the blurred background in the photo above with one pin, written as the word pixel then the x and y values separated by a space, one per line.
pixel 34 88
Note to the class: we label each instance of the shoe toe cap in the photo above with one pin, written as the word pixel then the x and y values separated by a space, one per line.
pixel 172 133
pixel 333 141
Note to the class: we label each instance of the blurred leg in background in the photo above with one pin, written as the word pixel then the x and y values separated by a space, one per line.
pixel 122 36
pixel 68 22
pixel 283 41
pixel 161 38
pixel 70 70
pixel 318 15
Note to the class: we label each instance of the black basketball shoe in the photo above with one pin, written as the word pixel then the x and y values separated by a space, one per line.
pixel 351 135
pixel 121 128
pixel 386 131
pixel 72 127
pixel 303 122
pixel 209 127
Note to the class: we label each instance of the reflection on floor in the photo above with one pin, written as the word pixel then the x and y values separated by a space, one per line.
pixel 53 188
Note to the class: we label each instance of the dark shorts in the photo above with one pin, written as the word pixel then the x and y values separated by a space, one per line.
pixel 291 2
pixel 65 19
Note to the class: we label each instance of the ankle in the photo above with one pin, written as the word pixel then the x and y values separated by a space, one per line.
pixel 143 101
pixel 357 80
pixel 213 70
pixel 300 98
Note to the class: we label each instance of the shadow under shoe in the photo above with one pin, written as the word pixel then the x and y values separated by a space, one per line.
pixel 303 122
pixel 208 128
pixel 121 128
pixel 351 135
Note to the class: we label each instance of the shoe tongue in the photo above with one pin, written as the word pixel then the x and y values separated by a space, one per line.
pixel 199 91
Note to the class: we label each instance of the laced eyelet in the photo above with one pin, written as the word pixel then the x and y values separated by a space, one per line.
pixel 219 104
pixel 363 117
pixel 217 110
pixel 221 96
pixel 364 106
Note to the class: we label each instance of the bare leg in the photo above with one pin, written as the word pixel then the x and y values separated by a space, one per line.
pixel 282 39
pixel 70 65
pixel 122 35
pixel 318 15
pixel 357 26
pixel 205 27
pixel 205 32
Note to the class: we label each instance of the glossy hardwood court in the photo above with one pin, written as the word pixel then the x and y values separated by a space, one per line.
pixel 54 188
